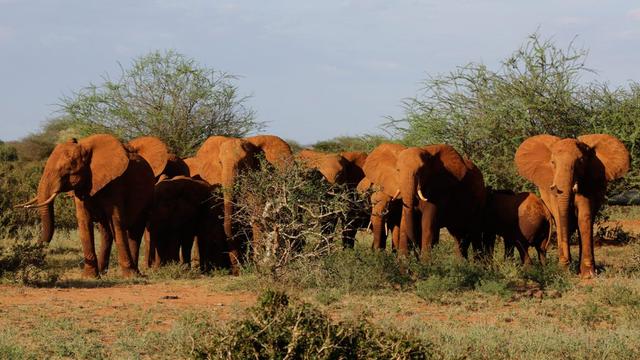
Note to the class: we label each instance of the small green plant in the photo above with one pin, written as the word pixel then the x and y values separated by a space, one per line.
pixel 174 271
pixel 591 314
pixel 24 262
pixel 618 295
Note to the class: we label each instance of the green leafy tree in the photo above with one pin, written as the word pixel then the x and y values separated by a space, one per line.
pixel 8 152
pixel 338 144
pixel 164 94
pixel 486 114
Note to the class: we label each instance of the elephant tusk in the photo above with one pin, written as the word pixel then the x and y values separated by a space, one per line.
pixel 32 201
pixel 422 197
pixel 386 229
pixel 369 229
pixel 575 188
pixel 395 196
pixel 50 199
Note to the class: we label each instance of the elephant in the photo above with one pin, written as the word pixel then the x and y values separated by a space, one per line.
pixel 572 176
pixel 219 161
pixel 183 209
pixel 112 185
pixel 343 169
pixel 147 145
pixel 447 189
pixel 521 219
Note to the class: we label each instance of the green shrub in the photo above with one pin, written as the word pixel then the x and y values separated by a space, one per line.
pixel 24 262
pixel 296 211
pixel 18 183
pixel 354 271
pixel 365 143
pixel 8 152
pixel 279 328
pixel 617 295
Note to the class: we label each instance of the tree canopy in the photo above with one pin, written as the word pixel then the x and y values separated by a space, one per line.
pixel 164 94
pixel 540 88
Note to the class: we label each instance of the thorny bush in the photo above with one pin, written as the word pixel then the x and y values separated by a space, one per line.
pixel 294 213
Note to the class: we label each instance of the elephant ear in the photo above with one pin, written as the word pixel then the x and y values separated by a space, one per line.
pixel 153 150
pixel 109 159
pixel 611 152
pixel 192 166
pixel 380 167
pixel 448 159
pixel 276 151
pixel 533 159
pixel 207 160
pixel 364 185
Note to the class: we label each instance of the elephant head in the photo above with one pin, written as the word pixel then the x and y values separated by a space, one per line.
pixel 563 168
pixel 333 167
pixel 153 151
pixel 219 160
pixel 356 160
pixel 410 173
pixel 276 151
pixel 84 167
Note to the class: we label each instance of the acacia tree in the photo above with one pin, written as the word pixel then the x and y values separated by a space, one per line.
pixel 487 114
pixel 164 94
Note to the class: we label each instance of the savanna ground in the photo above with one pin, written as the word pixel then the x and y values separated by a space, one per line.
pixel 459 309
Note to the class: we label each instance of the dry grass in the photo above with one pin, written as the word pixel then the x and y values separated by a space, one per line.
pixel 166 313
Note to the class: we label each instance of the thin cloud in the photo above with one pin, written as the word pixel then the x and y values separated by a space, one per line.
pixel 634 14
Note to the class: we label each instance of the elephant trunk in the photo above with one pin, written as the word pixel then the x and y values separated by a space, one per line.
pixel 408 190
pixel 563 189
pixel 47 215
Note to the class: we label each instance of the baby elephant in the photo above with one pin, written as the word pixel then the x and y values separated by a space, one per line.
pixel 183 209
pixel 522 220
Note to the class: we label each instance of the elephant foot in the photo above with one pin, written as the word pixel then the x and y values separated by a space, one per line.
pixel 90 273
pixel 587 272
pixel 130 273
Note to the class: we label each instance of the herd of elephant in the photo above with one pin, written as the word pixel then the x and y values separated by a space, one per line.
pixel 137 189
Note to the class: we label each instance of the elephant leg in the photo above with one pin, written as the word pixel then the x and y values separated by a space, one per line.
pixel 149 250
pixel 134 241
pixel 429 229
pixel 186 246
pixel 523 251
pixel 585 227
pixel 395 236
pixel 234 255
pixel 85 231
pixel 542 255
pixel 106 236
pixel 198 253
pixel 127 265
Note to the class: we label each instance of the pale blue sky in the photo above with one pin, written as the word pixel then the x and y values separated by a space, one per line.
pixel 316 69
